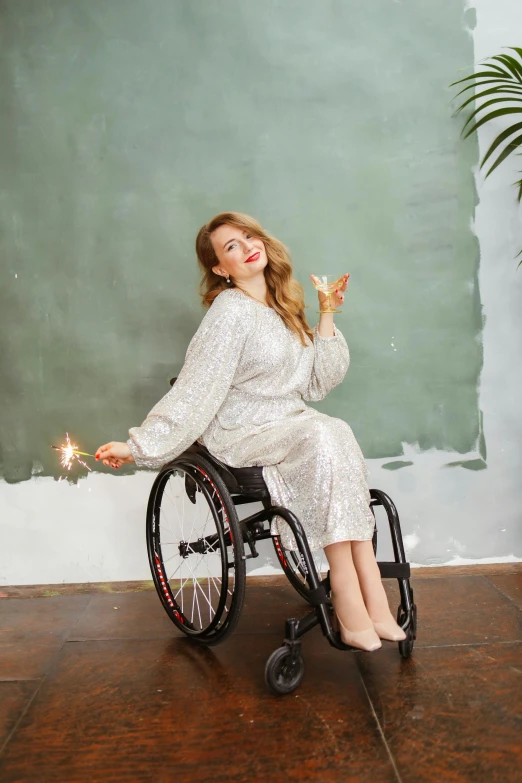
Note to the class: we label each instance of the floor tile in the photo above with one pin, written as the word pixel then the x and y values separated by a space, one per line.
pixel 20 617
pixel 124 616
pixel 510 585
pixel 460 610
pixel 32 632
pixel 450 714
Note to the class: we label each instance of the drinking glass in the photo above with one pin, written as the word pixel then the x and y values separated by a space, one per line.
pixel 327 284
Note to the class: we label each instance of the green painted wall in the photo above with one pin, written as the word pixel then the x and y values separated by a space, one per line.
pixel 127 125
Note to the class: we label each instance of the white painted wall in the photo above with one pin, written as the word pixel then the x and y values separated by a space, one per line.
pixel 52 532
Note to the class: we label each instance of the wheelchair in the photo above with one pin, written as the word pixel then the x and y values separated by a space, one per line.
pixel 198 548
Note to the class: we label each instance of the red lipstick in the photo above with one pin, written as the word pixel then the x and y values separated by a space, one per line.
pixel 253 257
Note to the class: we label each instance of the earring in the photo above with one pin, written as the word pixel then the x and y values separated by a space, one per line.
pixel 228 279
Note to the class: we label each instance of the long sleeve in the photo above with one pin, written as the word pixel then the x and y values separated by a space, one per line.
pixel 331 361
pixel 185 412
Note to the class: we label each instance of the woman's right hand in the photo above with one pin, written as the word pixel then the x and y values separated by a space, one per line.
pixel 114 454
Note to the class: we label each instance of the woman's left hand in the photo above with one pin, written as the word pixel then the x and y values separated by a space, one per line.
pixel 337 296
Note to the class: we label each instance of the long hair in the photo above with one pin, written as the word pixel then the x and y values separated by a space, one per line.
pixel 284 293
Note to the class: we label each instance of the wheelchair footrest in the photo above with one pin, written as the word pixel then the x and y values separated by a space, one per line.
pixel 394 570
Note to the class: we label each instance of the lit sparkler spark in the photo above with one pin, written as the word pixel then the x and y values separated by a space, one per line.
pixel 70 453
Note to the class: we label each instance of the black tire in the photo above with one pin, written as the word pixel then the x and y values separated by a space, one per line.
pixel 283 671
pixel 406 645
pixel 197 562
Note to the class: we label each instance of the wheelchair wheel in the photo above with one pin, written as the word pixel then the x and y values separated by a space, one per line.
pixel 195 549
pixel 284 670
pixel 295 569
pixel 406 646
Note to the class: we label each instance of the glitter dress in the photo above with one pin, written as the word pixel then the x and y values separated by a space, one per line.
pixel 241 392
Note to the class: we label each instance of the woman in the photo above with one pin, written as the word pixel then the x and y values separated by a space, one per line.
pixel 241 391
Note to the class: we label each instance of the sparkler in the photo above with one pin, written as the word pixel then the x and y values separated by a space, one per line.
pixel 70 453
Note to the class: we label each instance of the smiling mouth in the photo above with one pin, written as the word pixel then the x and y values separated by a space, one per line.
pixel 253 257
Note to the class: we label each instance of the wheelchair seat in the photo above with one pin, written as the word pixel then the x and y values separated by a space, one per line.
pixel 250 482
pixel 239 481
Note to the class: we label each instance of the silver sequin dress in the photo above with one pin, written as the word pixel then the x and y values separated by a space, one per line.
pixel 241 392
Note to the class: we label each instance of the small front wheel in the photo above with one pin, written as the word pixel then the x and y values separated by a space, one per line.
pixel 284 670
pixel 406 646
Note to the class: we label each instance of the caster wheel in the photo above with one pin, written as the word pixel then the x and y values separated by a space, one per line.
pixel 406 646
pixel 284 670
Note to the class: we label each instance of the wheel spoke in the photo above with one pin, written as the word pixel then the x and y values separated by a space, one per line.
pixel 197 602
pixel 169 579
pixel 166 559
pixel 183 507
pixel 204 596
pixel 193 602
pixel 180 588
pixel 168 490
pixel 211 578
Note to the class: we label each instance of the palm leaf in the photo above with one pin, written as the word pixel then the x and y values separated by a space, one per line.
pixel 510 83
pixel 508 149
pixel 493 90
pixel 482 75
pixel 500 138
pixel 511 64
pixel 497 69
pixel 491 116
pixel 489 103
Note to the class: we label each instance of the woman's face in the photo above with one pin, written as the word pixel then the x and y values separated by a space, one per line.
pixel 241 256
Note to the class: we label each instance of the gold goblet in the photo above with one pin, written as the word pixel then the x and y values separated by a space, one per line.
pixel 327 284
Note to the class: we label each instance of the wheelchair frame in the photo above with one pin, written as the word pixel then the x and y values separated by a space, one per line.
pixel 285 667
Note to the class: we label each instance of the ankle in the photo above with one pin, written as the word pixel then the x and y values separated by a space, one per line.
pixel 376 602
pixel 382 616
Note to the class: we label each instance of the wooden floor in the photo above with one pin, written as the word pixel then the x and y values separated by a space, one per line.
pixel 99 686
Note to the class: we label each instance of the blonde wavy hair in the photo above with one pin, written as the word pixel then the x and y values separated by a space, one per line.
pixel 284 293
